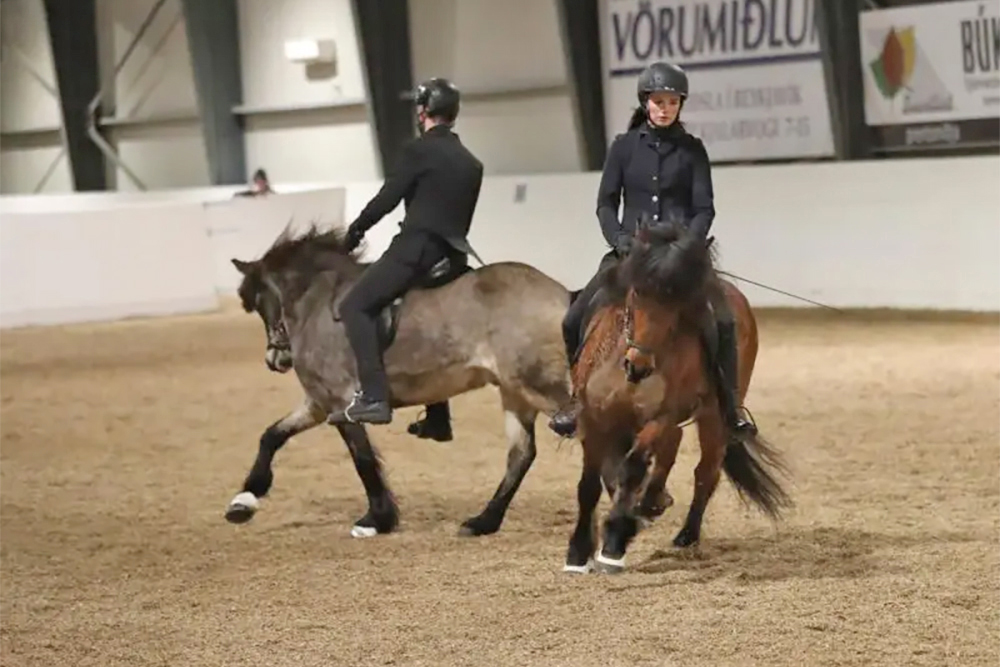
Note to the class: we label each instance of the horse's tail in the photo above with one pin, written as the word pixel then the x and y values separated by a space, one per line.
pixel 751 464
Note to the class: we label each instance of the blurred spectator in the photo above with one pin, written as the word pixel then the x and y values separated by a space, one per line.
pixel 259 187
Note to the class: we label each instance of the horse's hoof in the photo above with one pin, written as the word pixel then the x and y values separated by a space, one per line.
pixel 608 565
pixel 242 508
pixel 363 531
pixel 586 568
pixel 476 527
pixel 685 540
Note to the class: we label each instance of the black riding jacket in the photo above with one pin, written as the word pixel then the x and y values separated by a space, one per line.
pixel 440 181
pixel 668 177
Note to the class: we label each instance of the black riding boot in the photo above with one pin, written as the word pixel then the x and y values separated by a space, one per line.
pixel 728 363
pixel 563 422
pixel 436 424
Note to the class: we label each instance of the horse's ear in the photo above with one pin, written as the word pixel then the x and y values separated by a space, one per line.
pixel 241 266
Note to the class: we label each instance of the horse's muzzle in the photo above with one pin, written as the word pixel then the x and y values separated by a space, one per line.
pixel 278 360
pixel 636 374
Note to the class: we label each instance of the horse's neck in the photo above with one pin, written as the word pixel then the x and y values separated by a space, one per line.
pixel 317 299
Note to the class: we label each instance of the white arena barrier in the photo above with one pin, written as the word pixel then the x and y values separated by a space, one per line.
pixel 909 234
pixel 140 258
pixel 97 265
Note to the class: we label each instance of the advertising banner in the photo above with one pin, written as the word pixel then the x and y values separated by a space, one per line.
pixel 757 87
pixel 932 74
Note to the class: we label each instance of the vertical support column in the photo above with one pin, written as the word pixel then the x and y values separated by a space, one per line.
pixel 580 26
pixel 107 74
pixel 842 68
pixel 73 36
pixel 213 40
pixel 383 28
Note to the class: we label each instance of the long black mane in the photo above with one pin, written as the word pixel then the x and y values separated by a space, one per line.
pixel 299 259
pixel 311 251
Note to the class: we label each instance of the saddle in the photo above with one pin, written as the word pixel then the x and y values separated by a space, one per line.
pixel 442 273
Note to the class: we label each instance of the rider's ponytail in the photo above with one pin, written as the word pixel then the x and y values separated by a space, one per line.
pixel 638 118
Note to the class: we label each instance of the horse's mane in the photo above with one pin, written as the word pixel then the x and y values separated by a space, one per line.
pixel 311 249
pixel 656 270
pixel 301 258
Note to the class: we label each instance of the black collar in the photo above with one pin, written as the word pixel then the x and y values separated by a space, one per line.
pixel 440 129
pixel 672 134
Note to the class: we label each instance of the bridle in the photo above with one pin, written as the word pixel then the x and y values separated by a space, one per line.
pixel 629 330
pixel 281 336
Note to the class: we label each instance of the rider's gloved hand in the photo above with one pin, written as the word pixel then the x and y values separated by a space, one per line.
pixel 354 236
pixel 623 243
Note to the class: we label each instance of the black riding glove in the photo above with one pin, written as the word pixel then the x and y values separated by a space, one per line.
pixel 623 243
pixel 354 236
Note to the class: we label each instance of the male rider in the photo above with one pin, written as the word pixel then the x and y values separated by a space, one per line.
pixel 440 181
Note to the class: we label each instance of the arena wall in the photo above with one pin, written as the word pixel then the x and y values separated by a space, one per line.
pixel 879 234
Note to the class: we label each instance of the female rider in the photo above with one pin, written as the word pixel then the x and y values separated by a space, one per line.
pixel 664 172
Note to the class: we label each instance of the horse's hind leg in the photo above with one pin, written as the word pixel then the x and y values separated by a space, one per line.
pixel 258 481
pixel 712 436
pixel 382 515
pixel 519 418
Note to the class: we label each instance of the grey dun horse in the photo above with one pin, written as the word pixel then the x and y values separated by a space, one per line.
pixel 497 325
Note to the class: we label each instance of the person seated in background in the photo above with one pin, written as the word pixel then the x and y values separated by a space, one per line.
pixel 259 187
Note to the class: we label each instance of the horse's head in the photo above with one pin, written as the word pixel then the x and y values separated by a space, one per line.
pixel 666 275
pixel 273 285
pixel 255 296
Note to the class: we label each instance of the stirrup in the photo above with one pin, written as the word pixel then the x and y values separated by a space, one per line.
pixel 746 420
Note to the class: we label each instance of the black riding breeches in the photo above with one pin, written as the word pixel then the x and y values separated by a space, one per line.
pixel 578 315
pixel 720 305
pixel 406 260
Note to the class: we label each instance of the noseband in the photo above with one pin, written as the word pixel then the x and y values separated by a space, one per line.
pixel 282 344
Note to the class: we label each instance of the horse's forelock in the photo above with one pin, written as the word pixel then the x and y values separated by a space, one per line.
pixel 654 268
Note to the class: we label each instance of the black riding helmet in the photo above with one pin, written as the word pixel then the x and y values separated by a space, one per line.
pixel 662 77
pixel 439 97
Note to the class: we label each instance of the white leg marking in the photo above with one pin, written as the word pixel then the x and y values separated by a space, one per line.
pixel 578 569
pixel 247 500
pixel 616 563
pixel 363 531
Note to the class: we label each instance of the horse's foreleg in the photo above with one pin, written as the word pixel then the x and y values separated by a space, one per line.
pixel 519 419
pixel 382 515
pixel 622 523
pixel 588 493
pixel 656 499
pixel 712 437
pixel 258 481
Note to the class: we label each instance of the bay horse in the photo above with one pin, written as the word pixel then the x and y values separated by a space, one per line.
pixel 497 325
pixel 644 369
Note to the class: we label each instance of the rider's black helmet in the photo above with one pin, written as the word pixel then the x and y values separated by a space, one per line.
pixel 662 77
pixel 439 97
